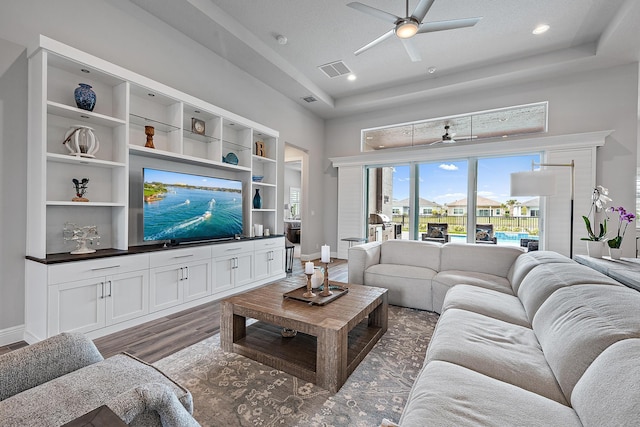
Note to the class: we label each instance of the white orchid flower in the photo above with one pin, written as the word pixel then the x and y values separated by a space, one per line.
pixel 600 196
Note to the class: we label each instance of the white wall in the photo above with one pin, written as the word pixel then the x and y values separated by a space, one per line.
pixel 13 192
pixel 123 34
pixel 590 101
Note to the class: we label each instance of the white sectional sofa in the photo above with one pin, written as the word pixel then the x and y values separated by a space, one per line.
pixel 524 339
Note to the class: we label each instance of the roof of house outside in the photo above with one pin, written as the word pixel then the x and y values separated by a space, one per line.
pixel 421 202
pixel 481 202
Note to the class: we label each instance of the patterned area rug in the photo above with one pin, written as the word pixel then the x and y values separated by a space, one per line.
pixel 232 390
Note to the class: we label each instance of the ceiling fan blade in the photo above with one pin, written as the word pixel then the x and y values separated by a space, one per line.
pixel 430 27
pixel 375 42
pixel 380 14
pixel 410 47
pixel 421 9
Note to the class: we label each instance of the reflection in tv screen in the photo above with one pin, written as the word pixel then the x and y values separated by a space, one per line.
pixel 180 206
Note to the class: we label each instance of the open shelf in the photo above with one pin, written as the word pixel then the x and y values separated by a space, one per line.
pixel 89 117
pixel 167 155
pixel 71 159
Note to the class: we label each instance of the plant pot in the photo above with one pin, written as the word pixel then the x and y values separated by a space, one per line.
pixel 615 253
pixel 594 248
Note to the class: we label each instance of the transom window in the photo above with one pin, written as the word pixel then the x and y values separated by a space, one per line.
pixel 464 128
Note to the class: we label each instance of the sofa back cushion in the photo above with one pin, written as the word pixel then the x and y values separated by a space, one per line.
pixel 411 252
pixel 577 323
pixel 489 259
pixel 543 280
pixel 608 392
pixel 527 261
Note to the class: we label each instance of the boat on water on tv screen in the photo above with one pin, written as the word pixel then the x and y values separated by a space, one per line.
pixel 187 207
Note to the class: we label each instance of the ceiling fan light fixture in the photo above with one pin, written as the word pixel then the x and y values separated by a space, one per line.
pixel 407 28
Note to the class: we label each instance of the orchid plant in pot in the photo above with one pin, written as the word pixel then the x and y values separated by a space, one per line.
pixel 599 198
pixel 625 218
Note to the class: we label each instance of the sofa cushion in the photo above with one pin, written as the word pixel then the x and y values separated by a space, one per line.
pixel 408 286
pixel 411 253
pixel 506 352
pixel 489 259
pixel 450 395
pixel 527 261
pixel 445 280
pixel 577 323
pixel 617 371
pixel 543 280
pixel 69 396
pixel 488 303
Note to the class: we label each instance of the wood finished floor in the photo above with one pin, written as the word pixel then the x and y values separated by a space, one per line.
pixel 159 338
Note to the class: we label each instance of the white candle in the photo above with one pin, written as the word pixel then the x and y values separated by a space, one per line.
pixel 325 254
pixel 308 267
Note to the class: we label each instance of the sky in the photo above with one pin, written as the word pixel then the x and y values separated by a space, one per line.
pixel 445 182
pixel 166 177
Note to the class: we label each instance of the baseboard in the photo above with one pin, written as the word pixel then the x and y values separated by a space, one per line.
pixel 11 335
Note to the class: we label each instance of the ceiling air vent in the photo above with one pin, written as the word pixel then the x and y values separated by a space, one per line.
pixel 335 69
pixel 309 98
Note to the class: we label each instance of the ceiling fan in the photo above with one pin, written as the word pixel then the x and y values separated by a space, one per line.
pixel 405 28
pixel 447 138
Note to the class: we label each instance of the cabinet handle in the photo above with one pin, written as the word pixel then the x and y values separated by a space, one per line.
pixel 110 289
pixel 235 262
pixel 183 256
pixel 105 268
pixel 186 273
pixel 181 274
pixel 233 249
pixel 101 290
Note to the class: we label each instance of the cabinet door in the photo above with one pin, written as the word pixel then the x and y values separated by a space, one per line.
pixel 127 296
pixel 77 306
pixel 197 280
pixel 263 259
pixel 276 265
pixel 244 269
pixel 165 287
pixel 224 273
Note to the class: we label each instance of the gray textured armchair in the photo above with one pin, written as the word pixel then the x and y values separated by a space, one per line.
pixel 63 377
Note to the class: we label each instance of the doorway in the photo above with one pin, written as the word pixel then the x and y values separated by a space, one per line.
pixel 293 197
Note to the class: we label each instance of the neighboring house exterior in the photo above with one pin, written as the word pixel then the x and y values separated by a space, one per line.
pixel 484 207
pixel 425 207
pixel 528 208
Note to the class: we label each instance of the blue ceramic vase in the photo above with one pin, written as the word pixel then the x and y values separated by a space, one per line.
pixel 257 200
pixel 85 97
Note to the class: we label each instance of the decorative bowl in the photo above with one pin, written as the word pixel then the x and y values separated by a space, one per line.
pixel 257 178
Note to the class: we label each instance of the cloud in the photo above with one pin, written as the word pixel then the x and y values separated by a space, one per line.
pixel 448 167
pixel 487 194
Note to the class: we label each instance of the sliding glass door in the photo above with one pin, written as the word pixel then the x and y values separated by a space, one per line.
pixel 462 200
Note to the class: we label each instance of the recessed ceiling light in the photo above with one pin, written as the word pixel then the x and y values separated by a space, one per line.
pixel 431 70
pixel 84 70
pixel 380 146
pixel 541 29
pixel 281 39
pixel 351 77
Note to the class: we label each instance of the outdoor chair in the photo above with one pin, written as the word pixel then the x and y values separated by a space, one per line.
pixel 484 234
pixel 436 232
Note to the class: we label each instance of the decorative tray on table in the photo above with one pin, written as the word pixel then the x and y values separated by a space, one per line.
pixel 296 294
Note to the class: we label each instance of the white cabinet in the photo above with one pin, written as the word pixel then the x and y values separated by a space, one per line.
pixel 178 276
pixel 270 258
pixel 233 265
pixel 109 292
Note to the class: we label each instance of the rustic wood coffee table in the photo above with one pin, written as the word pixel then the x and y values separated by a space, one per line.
pixel 331 340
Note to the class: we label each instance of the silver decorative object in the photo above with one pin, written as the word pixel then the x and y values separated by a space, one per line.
pixel 81 235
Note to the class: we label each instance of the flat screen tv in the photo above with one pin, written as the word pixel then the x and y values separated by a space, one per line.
pixel 184 207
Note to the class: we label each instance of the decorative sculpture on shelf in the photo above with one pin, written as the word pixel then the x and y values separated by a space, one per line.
pixel 81 235
pixel 81 141
pixel 149 131
pixel 81 188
